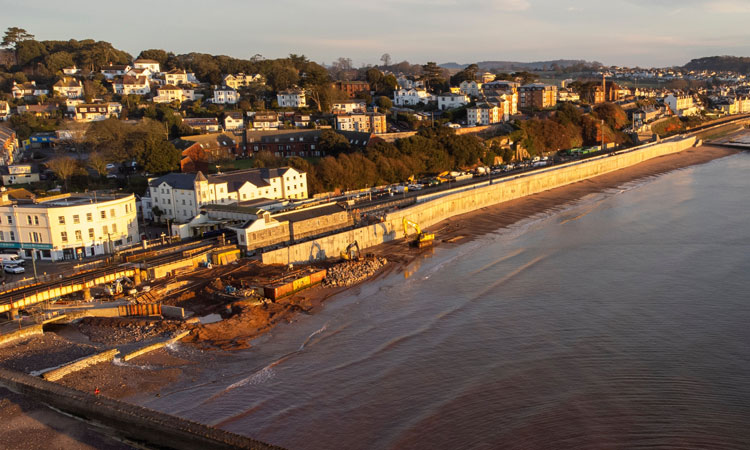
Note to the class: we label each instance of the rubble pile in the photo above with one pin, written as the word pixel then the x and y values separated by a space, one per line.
pixel 115 331
pixel 352 272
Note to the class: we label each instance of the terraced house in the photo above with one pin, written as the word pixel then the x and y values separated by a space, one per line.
pixel 179 196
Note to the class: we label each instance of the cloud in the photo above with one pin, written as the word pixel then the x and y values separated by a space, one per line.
pixel 729 6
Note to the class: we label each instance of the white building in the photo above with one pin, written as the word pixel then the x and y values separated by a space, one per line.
pixel 484 114
pixel 348 106
pixel 128 85
pixel 292 98
pixel 410 97
pixel 176 77
pixel 233 121
pixel 92 112
pixel 149 64
pixel 179 196
pixel 239 80
pixel 409 83
pixel 68 226
pixel 169 93
pixel 681 105
pixel 68 87
pixel 470 88
pixel 226 96
pixel 450 101
pixel 113 71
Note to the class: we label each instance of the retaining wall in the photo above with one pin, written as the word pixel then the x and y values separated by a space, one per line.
pixel 152 347
pixel 80 364
pixel 129 421
pixel 451 204
pixel 20 334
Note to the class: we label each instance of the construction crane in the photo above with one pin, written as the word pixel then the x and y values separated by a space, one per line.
pixel 349 254
pixel 423 239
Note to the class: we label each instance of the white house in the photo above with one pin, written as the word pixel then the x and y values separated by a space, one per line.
pixel 150 64
pixel 68 226
pixel 450 101
pixel 681 105
pixel 68 87
pixel 226 96
pixel 409 83
pixel 470 88
pixel 410 97
pixel 239 80
pixel 348 106
pixel 4 111
pixel 29 89
pixel 91 112
pixel 169 93
pixel 128 85
pixel 179 196
pixel 113 71
pixel 176 77
pixel 292 98
pixel 233 121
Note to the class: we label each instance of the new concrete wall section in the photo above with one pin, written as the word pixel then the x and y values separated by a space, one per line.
pixel 80 364
pixel 502 190
pixel 132 422
pixel 20 334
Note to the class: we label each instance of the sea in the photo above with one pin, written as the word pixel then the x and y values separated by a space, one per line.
pixel 621 320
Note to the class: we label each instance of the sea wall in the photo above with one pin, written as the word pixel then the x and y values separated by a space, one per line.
pixel 135 423
pixel 462 200
pixel 20 334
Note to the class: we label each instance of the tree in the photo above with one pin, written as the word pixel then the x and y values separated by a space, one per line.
pixel 63 167
pixel 433 75
pixel 98 163
pixel 386 59
pixel 14 35
pixel 159 156
pixel 331 142
pixel 384 103
pixel 158 55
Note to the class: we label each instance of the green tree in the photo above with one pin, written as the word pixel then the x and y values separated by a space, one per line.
pixel 14 35
pixel 384 103
pixel 158 156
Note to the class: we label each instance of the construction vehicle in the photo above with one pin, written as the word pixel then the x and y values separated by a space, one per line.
pixel 444 177
pixel 116 288
pixel 349 254
pixel 423 239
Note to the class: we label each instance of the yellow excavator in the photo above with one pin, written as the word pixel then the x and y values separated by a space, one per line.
pixel 352 252
pixel 423 239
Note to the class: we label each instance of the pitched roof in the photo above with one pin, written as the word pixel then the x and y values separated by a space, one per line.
pixel 145 61
pixel 176 180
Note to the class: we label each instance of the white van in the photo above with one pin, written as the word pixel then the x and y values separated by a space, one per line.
pixel 11 259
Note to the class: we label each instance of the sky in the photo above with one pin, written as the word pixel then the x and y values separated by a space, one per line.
pixel 645 33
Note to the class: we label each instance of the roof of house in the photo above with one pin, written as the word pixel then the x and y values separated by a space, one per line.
pixel 225 88
pixel 177 72
pixel 237 178
pixel 176 180
pixel 309 213
pixel 6 133
pixel 237 115
pixel 145 61
pixel 206 141
pixel 67 82
pixel 199 121
pixel 169 87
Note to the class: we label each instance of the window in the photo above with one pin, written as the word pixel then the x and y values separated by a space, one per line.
pixel 78 235
pixel 114 228
pixel 89 217
pixel 10 220
pixel 36 220
pixel 76 219
pixel 103 214
pixel 105 231
pixel 112 213
pixel 12 236
pixel 2 236
pixel 64 236
pixel 91 233
pixel 28 219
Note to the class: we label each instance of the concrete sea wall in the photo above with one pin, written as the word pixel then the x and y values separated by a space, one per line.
pixel 135 423
pixel 447 204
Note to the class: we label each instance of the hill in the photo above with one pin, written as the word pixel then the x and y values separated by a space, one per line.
pixel 521 66
pixel 739 64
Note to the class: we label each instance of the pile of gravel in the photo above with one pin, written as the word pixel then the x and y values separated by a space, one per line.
pixel 352 272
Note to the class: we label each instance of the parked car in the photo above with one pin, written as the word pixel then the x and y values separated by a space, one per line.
pixel 14 269
pixel 11 259
pixel 111 166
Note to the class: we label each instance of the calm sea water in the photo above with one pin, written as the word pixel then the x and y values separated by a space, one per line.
pixel 622 321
